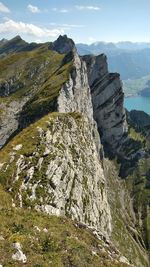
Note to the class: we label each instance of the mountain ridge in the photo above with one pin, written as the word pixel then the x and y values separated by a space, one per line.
pixel 69 152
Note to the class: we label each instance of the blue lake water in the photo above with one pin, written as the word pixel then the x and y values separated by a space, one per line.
pixel 138 103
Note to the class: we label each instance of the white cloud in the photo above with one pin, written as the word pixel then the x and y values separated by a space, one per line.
pixel 72 25
pixel 3 8
pixel 64 11
pixel 60 10
pixel 12 26
pixel 67 26
pixel 95 8
pixel 33 9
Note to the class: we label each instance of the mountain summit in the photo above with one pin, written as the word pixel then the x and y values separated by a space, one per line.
pixel 63 44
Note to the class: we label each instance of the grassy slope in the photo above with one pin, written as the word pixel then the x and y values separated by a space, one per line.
pixel 64 244
pixel 123 234
pixel 138 185
pixel 39 75
pixel 138 179
pixel 31 142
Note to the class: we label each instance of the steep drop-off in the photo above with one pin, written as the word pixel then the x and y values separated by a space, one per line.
pixel 107 99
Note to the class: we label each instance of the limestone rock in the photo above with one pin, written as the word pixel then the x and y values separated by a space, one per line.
pixel 19 256
pixel 2 238
pixel 107 99
pixel 9 119
pixel 123 260
pixel 75 94
pixel 63 44
pixel 70 180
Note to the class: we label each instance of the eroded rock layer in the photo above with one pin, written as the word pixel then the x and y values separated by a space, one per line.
pixel 107 98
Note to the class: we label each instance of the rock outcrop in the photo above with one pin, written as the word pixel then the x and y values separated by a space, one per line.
pixel 63 45
pixel 9 119
pixel 19 255
pixel 107 98
pixel 75 94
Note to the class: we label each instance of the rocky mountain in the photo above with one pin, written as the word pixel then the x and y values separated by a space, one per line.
pixel 99 47
pixel 74 172
pixel 146 91
pixel 107 99
pixel 139 118
pixel 132 45
pixel 3 41
pixel 131 60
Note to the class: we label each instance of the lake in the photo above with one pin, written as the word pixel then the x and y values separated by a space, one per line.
pixel 138 103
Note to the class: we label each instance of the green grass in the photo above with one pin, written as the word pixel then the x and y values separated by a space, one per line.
pixel 39 73
pixel 119 194
pixel 31 143
pixel 38 76
pixel 136 135
pixel 63 244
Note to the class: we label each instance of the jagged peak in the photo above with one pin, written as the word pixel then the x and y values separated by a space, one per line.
pixel 17 39
pixel 3 40
pixel 63 44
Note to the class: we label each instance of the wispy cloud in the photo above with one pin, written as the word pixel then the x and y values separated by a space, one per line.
pixel 66 25
pixel 3 8
pixel 33 9
pixel 60 10
pixel 94 8
pixel 64 10
pixel 15 27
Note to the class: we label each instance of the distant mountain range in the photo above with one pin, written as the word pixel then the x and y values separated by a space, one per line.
pixel 131 60
pixel 110 47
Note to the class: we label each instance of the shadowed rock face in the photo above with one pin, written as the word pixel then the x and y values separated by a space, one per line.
pixel 63 45
pixel 107 98
pixel 140 118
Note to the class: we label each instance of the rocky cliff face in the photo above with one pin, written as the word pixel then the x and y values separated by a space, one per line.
pixel 62 173
pixel 75 94
pixel 107 98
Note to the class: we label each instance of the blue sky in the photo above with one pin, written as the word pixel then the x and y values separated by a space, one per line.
pixel 83 20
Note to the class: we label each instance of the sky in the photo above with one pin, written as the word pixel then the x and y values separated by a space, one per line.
pixel 83 20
